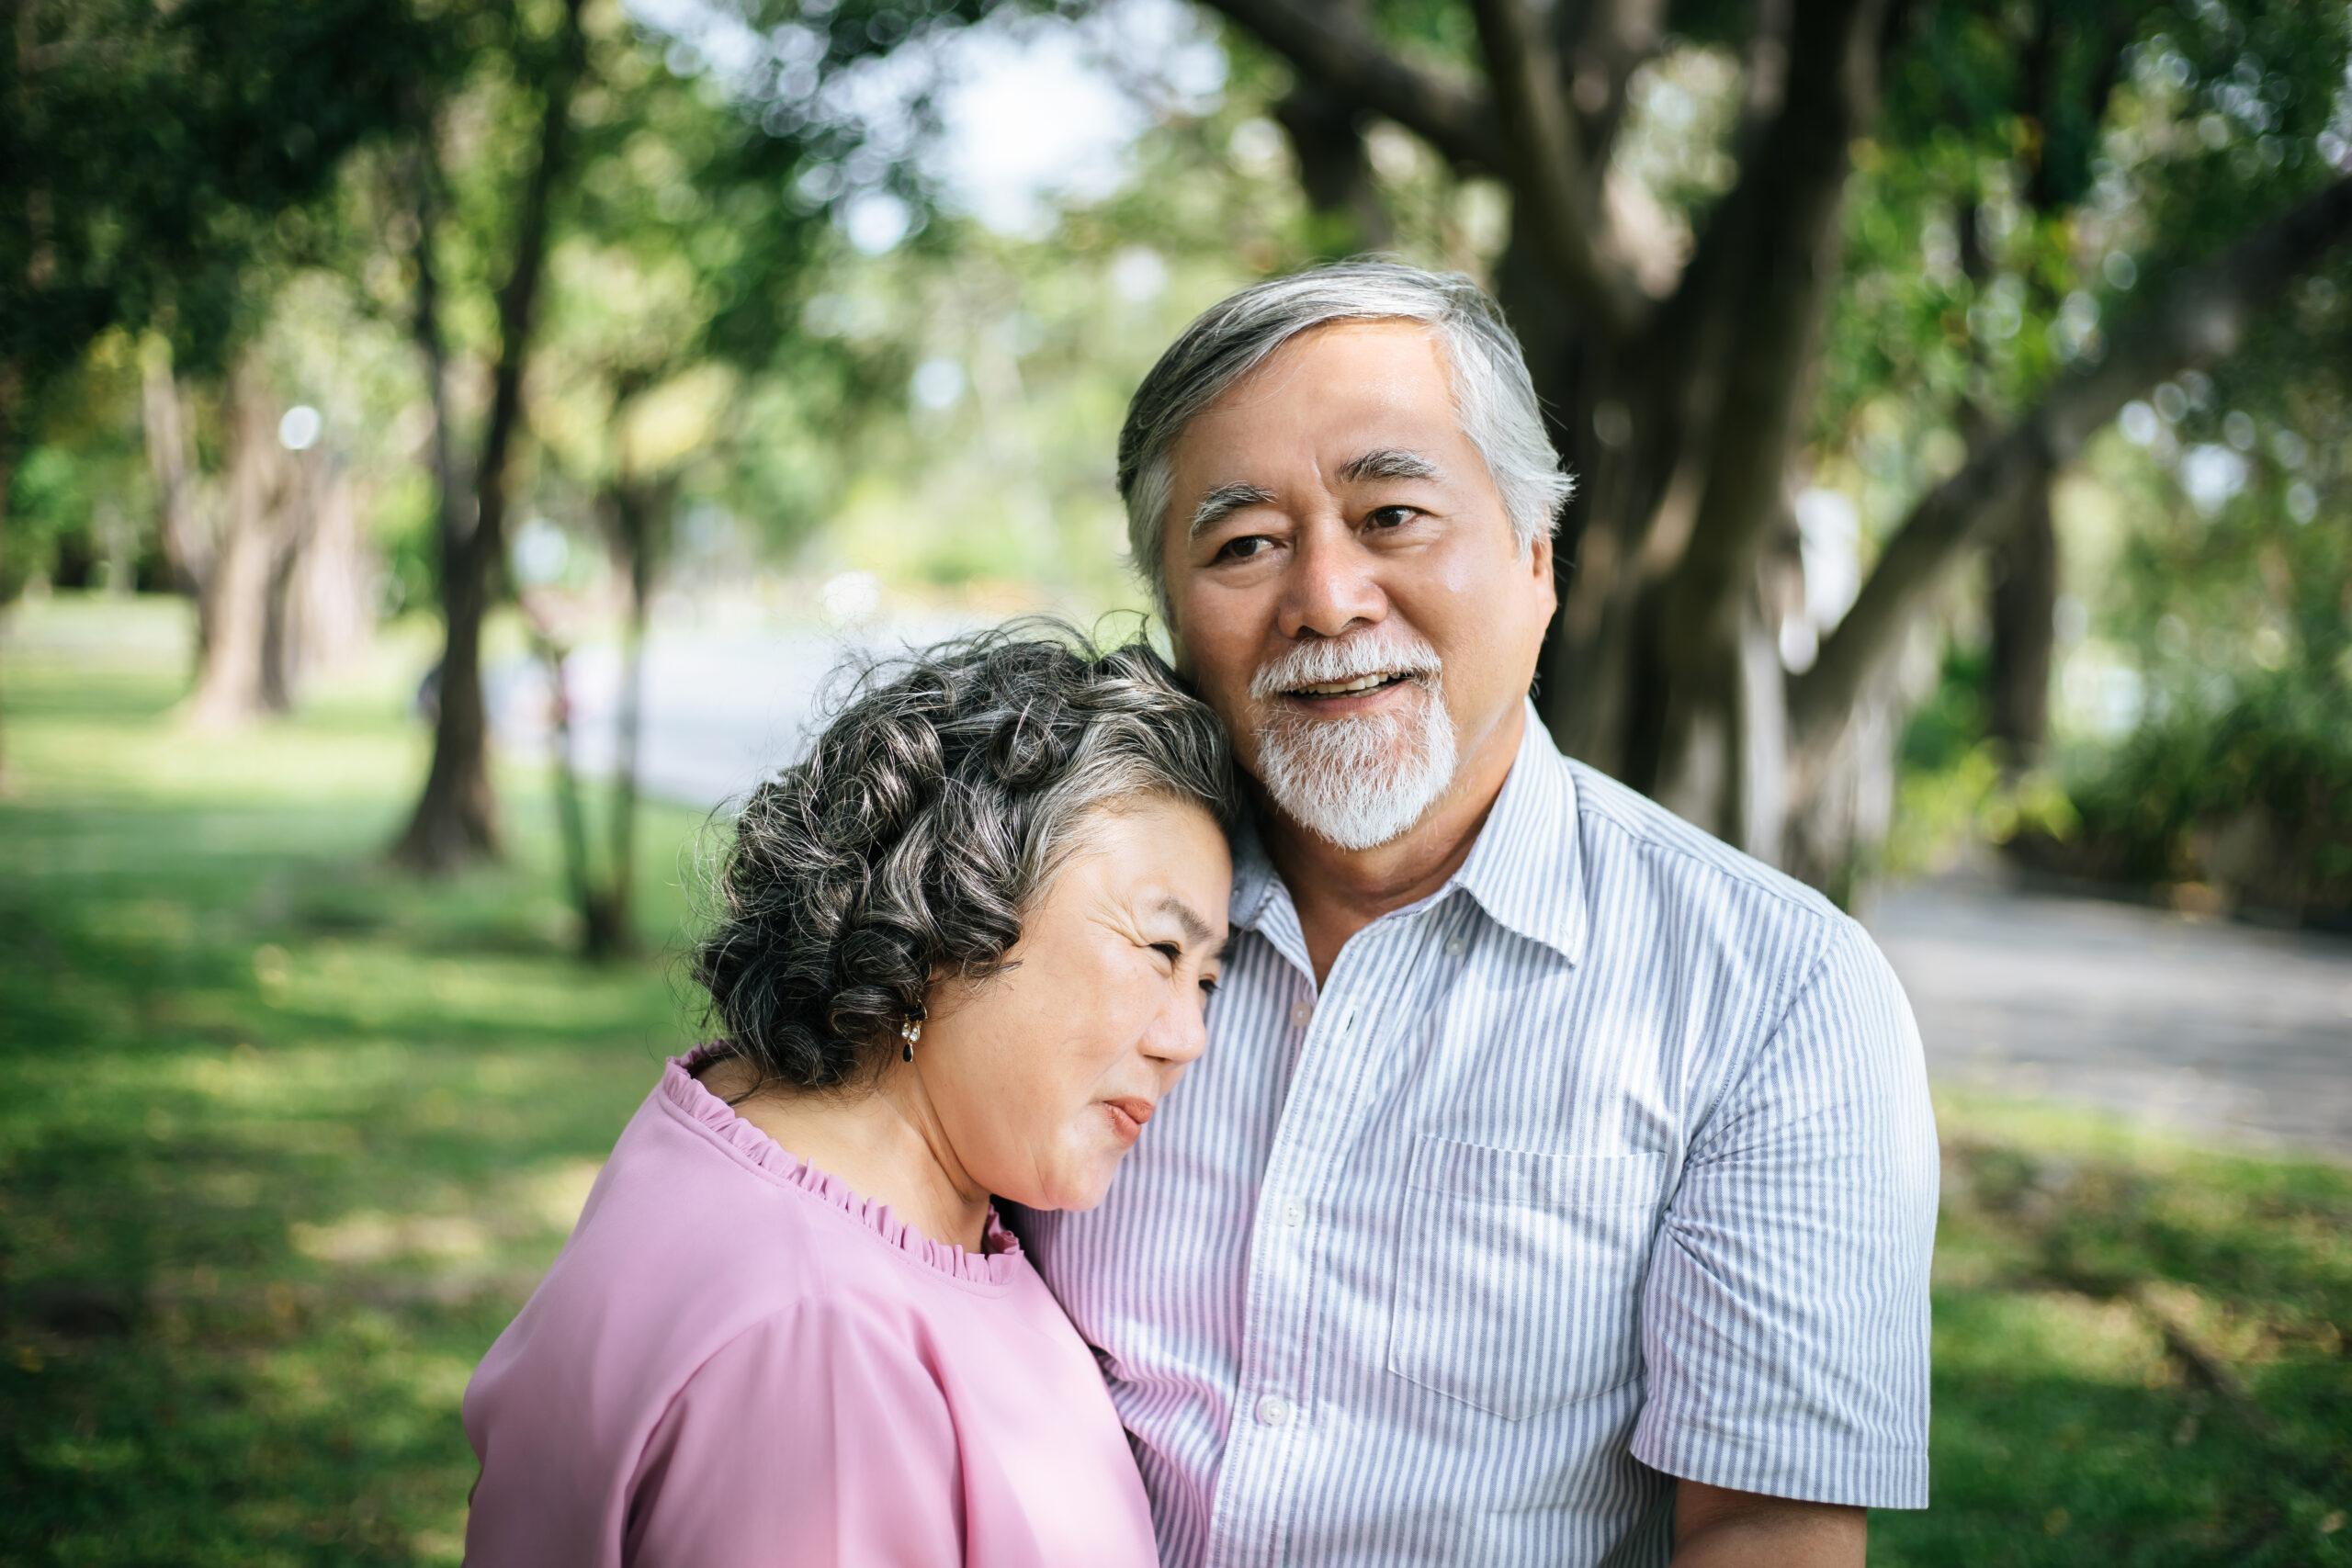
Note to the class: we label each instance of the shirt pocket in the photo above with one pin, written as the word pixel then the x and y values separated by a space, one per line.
pixel 1519 1278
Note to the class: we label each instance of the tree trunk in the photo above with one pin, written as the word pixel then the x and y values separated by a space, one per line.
pixel 165 424
pixel 456 819
pixel 1326 130
pixel 1782 299
pixel 322 586
pixel 641 529
pixel 11 438
pixel 570 815
pixel 233 598
pixel 2023 622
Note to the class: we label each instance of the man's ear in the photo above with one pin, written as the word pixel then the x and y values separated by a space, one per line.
pixel 1540 563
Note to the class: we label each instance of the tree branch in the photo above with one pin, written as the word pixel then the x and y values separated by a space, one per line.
pixel 2200 317
pixel 1774 298
pixel 1450 115
pixel 1603 42
pixel 518 298
pixel 1557 192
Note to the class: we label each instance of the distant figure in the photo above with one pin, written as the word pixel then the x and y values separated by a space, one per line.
pixel 965 950
pixel 1559 1185
pixel 428 695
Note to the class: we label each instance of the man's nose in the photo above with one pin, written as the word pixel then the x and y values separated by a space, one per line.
pixel 1331 587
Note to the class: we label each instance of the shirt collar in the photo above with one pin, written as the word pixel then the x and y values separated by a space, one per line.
pixel 1526 870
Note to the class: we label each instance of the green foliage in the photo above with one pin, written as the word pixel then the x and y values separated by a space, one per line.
pixel 2032 165
pixel 85 479
pixel 153 147
pixel 2229 599
pixel 2253 794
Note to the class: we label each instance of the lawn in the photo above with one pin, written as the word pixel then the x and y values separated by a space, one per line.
pixel 286 1136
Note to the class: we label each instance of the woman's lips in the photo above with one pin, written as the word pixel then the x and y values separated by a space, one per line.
pixel 1127 1117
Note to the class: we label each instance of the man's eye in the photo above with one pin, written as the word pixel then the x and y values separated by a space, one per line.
pixel 1241 548
pixel 1391 516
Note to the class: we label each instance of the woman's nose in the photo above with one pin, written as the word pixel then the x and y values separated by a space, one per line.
pixel 1180 1034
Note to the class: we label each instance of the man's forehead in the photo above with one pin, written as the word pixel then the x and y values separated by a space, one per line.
pixel 1347 411
pixel 1404 354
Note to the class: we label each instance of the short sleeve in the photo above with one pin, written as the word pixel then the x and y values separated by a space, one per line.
pixel 807 1440
pixel 1785 1316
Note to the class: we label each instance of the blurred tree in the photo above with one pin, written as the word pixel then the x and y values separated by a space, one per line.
pixel 796 56
pixel 2216 756
pixel 268 534
pixel 456 817
pixel 150 146
pixel 679 283
pixel 1679 349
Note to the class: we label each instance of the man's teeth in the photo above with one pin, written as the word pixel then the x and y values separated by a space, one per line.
pixel 1345 688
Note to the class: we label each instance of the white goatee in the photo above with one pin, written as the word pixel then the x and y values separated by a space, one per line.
pixel 1357 780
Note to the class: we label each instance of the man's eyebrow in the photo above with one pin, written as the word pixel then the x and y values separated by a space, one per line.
pixel 1387 463
pixel 1223 503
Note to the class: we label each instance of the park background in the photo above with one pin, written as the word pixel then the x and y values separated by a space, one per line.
pixel 445 444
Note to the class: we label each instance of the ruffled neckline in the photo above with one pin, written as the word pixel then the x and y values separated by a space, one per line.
pixel 995 1264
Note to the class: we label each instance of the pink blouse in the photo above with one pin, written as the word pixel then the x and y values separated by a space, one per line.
pixel 737 1360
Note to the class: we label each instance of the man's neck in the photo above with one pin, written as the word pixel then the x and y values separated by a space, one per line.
pixel 1338 892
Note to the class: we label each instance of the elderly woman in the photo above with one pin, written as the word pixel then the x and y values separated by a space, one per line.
pixel 964 950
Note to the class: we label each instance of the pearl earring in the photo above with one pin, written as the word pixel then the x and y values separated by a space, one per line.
pixel 910 1032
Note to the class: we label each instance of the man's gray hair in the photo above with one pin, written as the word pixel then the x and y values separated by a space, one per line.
pixel 1492 391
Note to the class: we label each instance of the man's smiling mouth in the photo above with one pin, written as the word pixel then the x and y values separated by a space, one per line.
pixel 1353 686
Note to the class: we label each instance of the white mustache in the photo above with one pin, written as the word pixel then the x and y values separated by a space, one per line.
pixel 1320 663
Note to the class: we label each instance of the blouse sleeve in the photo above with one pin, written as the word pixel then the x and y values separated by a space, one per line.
pixel 810 1439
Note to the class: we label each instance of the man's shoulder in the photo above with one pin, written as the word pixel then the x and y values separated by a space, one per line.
pixel 1615 821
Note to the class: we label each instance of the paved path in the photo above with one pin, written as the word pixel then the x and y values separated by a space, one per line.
pixel 2210 1025
pixel 2219 1028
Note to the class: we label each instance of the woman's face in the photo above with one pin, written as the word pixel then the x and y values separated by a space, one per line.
pixel 1042 1077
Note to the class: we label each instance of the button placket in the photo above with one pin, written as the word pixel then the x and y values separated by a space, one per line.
pixel 1245 1513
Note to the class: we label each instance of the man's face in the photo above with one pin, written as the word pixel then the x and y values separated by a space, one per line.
pixel 1342 581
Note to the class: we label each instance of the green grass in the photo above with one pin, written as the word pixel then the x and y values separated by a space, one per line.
pixel 285 1137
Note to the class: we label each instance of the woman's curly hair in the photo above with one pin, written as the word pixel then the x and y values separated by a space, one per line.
pixel 945 791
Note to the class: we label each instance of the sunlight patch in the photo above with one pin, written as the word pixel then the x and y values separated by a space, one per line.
pixel 370 1235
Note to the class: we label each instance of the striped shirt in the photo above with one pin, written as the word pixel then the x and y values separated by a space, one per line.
pixel 1611 1161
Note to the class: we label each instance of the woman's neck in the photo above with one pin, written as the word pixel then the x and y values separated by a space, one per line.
pixel 884 1143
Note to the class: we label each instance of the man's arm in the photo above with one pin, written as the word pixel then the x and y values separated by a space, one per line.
pixel 1717 1528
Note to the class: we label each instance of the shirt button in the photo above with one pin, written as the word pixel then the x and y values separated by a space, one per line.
pixel 1293 1213
pixel 1275 1410
pixel 1300 1013
pixel 1455 947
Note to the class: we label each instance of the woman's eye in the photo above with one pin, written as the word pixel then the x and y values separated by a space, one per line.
pixel 1209 987
pixel 1244 547
pixel 1168 949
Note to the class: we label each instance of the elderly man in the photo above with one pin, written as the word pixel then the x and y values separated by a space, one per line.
pixel 1559 1183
